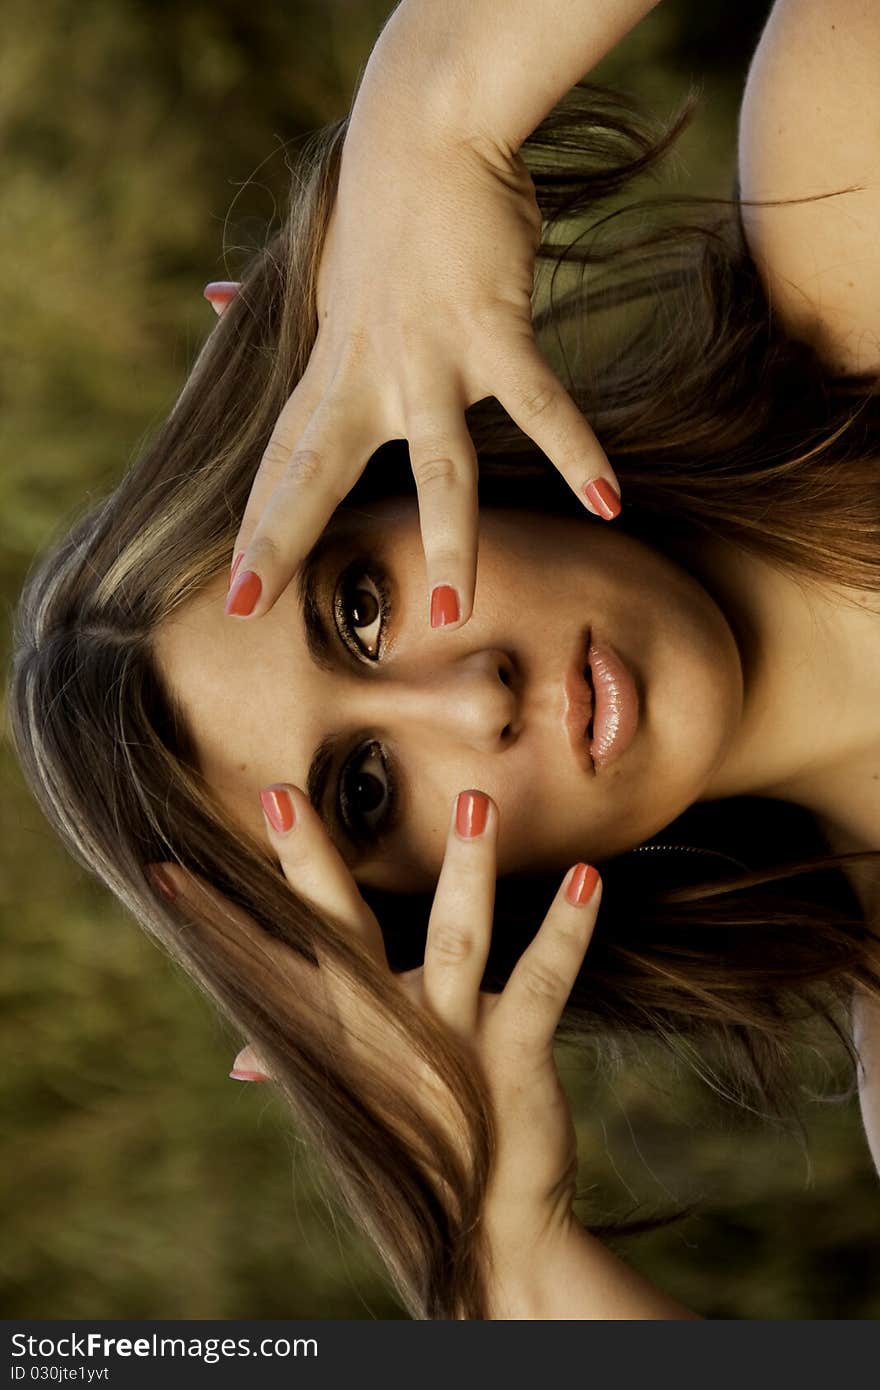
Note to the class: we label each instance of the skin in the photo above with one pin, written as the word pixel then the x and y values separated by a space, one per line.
pixel 809 732
pixel 736 668
pixel 762 685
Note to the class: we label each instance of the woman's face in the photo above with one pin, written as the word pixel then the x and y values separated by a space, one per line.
pixel 416 714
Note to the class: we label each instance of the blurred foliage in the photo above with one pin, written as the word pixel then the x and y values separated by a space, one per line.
pixel 143 155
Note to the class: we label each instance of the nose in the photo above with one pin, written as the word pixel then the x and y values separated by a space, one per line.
pixel 471 699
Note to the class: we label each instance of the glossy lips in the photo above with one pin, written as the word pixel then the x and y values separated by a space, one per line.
pixel 612 702
pixel 617 704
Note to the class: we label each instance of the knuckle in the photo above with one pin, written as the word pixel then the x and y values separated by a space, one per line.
pixel 264 552
pixel 535 402
pixel 450 564
pixel 435 469
pixel 542 982
pixel 452 945
pixel 275 456
pixel 568 930
pixel 305 466
pixel 490 320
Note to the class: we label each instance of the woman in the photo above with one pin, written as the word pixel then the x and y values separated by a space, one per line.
pixel 728 609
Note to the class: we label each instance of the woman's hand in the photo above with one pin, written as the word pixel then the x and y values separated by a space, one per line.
pixel 533 1180
pixel 424 306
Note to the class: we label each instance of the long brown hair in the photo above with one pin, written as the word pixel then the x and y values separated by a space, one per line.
pixel 716 423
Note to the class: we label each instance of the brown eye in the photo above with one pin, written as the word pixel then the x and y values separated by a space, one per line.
pixel 366 796
pixel 362 608
pixel 364 791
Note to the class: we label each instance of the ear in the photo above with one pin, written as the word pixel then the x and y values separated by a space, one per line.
pixel 220 293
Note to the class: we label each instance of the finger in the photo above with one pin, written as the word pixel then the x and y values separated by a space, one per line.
pixel 220 293
pixel 310 480
pixel 460 924
pixel 290 426
pixel 532 1001
pixel 314 867
pixel 444 465
pixel 539 404
pixel 312 864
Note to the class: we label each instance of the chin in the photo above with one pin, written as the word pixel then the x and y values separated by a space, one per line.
pixel 694 730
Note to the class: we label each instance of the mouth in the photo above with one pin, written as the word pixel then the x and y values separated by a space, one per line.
pixel 601 705
pixel 579 705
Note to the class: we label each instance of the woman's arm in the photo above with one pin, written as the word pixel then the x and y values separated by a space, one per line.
pixel 579 1279
pixel 494 70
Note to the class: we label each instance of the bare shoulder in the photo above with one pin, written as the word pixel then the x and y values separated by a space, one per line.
pixel 810 124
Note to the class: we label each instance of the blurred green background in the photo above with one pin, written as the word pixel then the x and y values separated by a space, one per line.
pixel 143 155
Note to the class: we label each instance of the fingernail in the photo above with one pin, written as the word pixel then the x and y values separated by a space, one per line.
pixel 162 882
pixel 247 1063
pixel 247 1075
pixel 278 806
pixel 583 882
pixel 235 564
pixel 471 810
pixel 605 501
pixel 444 605
pixel 220 293
pixel 244 594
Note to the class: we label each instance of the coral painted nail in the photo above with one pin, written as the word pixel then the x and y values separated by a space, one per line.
pixel 220 293
pixel 244 594
pixel 278 806
pixel 444 605
pixel 603 498
pixel 582 885
pixel 471 811
pixel 248 1066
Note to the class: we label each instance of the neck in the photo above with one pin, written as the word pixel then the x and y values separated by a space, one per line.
pixel 810 653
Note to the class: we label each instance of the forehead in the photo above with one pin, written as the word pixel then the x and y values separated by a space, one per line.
pixel 237 682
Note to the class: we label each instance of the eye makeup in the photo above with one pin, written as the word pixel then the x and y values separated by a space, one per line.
pixel 366 816
pixel 344 605
pixel 358 781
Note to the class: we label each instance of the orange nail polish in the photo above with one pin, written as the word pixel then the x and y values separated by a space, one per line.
pixel 444 605
pixel 471 811
pixel 603 497
pixel 278 806
pixel 235 564
pixel 582 885
pixel 243 595
pixel 220 293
